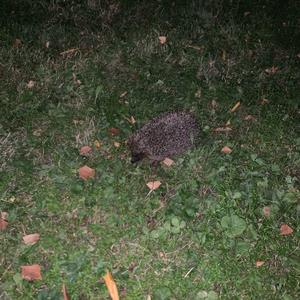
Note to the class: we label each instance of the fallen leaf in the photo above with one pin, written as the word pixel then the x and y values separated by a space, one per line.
pixel 285 229
pixel 259 263
pixel 226 150
pixel 85 150
pixel 30 84
pixel 236 106
pixel 114 131
pixel 86 172
pixel 131 120
pixel 3 224
pixel 168 162
pixel 117 144
pixel 267 211
pixel 31 239
pixel 111 286
pixel 4 215
pixel 31 273
pixel 65 292
pixel 271 70
pixel 249 118
pixel 97 144
pixel 222 129
pixel 162 39
pixel 17 43
pixel 123 94
pixel 153 185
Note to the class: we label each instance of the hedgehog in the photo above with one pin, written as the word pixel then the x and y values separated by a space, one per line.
pixel 167 135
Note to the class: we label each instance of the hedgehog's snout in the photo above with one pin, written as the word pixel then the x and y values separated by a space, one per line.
pixel 135 157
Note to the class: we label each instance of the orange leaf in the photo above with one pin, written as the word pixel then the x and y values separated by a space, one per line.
pixel 259 263
pixel 31 239
pixel 114 131
pixel 65 292
pixel 86 172
pixel 111 286
pixel 267 211
pixel 97 144
pixel 222 129
pixel 31 273
pixel 85 150
pixel 3 224
pixel 168 162
pixel 226 150
pixel 153 185
pixel 286 229
pixel 162 39
pixel 236 106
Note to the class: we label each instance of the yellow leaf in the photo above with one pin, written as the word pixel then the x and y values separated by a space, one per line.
pixel 111 286
pixel 97 144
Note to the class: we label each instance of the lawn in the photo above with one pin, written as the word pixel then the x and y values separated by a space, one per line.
pixel 90 73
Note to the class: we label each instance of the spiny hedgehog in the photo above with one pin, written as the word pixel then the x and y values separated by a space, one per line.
pixel 166 135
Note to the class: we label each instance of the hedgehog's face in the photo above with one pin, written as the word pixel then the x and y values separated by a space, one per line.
pixel 137 152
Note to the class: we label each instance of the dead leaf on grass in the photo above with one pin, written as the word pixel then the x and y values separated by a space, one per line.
pixel 259 263
pixel 285 229
pixel 111 286
pixel 168 162
pixel 65 292
pixel 31 239
pixel 30 84
pixel 3 224
pixel 97 144
pixel 117 144
pixel 85 150
pixel 235 107
pixel 86 172
pixel 31 273
pixel 226 150
pixel 153 185
pixel 162 39
pixel 267 211
pixel 114 131
pixel 131 120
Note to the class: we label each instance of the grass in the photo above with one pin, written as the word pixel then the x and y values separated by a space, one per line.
pixel 200 234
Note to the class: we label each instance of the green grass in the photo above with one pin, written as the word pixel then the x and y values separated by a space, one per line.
pixel 199 235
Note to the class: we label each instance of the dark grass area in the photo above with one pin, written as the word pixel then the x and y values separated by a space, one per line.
pixel 198 236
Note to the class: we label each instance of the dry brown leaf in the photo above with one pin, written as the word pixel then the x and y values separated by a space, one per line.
pixel 267 211
pixel 249 118
pixel 226 150
pixel 117 144
pixel 259 263
pixel 123 94
pixel 168 162
pixel 131 120
pixel 17 43
pixel 31 273
pixel 3 224
pixel 162 39
pixel 153 185
pixel 222 129
pixel 65 292
pixel 97 144
pixel 114 131
pixel 86 172
pixel 111 286
pixel 285 229
pixel 85 150
pixel 30 84
pixel 271 70
pixel 236 106
pixel 4 215
pixel 31 239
